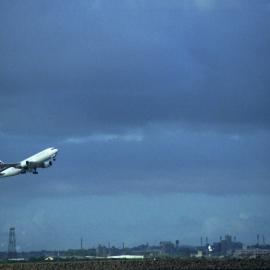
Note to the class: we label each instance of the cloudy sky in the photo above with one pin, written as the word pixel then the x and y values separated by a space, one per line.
pixel 161 113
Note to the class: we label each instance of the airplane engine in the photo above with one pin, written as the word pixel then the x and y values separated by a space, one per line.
pixel 46 164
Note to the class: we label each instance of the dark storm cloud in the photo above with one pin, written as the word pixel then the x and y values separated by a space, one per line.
pixel 95 67
pixel 168 93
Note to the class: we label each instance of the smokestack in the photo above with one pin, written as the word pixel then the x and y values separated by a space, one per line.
pixel 81 243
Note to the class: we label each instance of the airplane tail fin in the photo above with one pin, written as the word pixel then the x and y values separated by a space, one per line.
pixel 2 164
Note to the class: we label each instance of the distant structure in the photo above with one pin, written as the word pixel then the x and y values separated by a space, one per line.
pixel 226 247
pixel 81 243
pixel 166 247
pixel 12 253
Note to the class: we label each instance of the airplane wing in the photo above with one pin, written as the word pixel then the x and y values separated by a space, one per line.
pixel 4 166
pixel 30 165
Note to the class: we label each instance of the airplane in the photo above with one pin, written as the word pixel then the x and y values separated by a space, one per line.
pixel 43 159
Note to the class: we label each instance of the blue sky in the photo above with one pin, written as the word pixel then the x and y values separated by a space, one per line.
pixel 160 111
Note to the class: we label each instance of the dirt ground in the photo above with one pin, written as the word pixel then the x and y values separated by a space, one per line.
pixel 165 264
